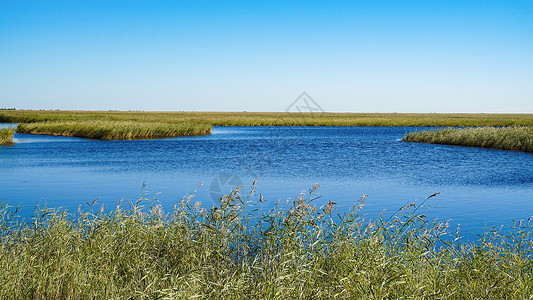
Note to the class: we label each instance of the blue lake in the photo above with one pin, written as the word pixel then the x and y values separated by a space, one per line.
pixel 478 187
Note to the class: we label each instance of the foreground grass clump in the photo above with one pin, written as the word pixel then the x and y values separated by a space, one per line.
pixel 507 138
pixel 227 252
pixel 115 130
pixel 6 136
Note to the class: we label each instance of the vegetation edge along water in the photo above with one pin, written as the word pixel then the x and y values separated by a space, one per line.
pixel 115 130
pixel 295 250
pixel 506 138
pixel 138 125
pixel 6 136
pixel 277 118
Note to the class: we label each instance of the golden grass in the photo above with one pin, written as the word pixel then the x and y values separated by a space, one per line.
pixel 277 119
pixel 507 138
pixel 114 130
pixel 136 124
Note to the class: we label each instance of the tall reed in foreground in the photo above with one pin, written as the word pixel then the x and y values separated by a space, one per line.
pixel 507 138
pixel 6 136
pixel 227 252
pixel 115 130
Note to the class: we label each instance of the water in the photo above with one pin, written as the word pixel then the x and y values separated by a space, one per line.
pixel 478 187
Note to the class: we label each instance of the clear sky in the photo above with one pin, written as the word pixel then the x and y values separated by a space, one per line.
pixel 350 56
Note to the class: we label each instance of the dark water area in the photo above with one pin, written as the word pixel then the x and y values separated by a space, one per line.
pixel 478 188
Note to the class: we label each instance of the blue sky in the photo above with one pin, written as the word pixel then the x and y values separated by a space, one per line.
pixel 350 56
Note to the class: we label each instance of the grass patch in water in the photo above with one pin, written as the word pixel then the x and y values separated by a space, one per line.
pixel 507 138
pixel 115 130
pixel 6 136
pixel 226 252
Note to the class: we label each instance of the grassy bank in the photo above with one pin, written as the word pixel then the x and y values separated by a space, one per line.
pixel 507 138
pixel 6 136
pixel 276 119
pixel 114 130
pixel 136 124
pixel 227 253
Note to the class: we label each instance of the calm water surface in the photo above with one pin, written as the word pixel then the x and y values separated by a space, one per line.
pixel 478 187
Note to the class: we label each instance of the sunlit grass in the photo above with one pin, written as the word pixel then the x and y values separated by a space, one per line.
pixel 114 130
pixel 277 119
pixel 6 136
pixel 295 250
pixel 136 124
pixel 507 138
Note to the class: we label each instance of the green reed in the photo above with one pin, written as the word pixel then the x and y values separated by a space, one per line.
pixel 6 136
pixel 114 130
pixel 295 250
pixel 507 138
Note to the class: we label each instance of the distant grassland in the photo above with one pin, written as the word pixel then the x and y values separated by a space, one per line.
pixel 276 119
pixel 507 138
pixel 6 136
pixel 113 125
pixel 114 130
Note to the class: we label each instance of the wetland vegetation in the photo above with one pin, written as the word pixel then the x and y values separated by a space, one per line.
pixel 115 130
pixel 276 119
pixel 507 138
pixel 295 250
pixel 6 136
pixel 137 124
pixel 113 125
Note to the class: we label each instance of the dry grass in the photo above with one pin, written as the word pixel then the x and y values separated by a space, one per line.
pixel 507 138
pixel 227 252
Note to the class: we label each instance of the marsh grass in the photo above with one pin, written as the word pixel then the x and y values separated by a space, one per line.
pixel 114 130
pixel 136 124
pixel 295 250
pixel 507 138
pixel 276 118
pixel 6 136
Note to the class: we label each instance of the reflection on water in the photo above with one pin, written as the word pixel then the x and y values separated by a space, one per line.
pixel 479 187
